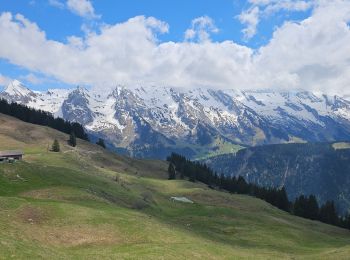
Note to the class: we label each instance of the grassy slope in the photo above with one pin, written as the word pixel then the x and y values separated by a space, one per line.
pixel 218 147
pixel 68 205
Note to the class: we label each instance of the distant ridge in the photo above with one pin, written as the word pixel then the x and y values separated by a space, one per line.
pixel 152 121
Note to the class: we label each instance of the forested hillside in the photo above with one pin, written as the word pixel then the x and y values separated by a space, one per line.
pixel 40 117
pixel 322 169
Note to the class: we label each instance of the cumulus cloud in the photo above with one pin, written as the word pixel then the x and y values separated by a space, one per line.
pixel 312 54
pixel 118 53
pixel 264 8
pixel 83 8
pixel 201 28
pixel 251 19
pixel 56 3
pixel 315 52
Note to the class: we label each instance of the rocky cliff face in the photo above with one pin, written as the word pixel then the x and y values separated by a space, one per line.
pixel 151 121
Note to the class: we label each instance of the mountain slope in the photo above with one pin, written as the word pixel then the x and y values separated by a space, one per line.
pixel 69 205
pixel 322 169
pixel 151 121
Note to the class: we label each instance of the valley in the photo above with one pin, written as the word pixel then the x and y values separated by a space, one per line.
pixel 87 202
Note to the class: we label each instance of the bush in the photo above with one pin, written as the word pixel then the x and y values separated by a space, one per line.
pixel 139 204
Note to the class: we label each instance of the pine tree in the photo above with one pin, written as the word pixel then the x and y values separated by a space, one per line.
pixel 242 187
pixel 313 209
pixel 72 140
pixel 328 213
pixel 55 146
pixel 283 202
pixel 171 172
pixel 300 206
pixel 347 221
pixel 101 142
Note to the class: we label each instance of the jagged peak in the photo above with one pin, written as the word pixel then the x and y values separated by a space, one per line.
pixel 80 90
pixel 17 88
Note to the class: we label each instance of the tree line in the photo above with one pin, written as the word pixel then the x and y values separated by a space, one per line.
pixel 43 118
pixel 303 206
pixel 39 117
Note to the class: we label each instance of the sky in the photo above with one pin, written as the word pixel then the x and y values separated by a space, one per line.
pixel 225 44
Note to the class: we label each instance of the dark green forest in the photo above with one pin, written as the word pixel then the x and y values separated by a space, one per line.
pixel 321 169
pixel 303 206
pixel 43 118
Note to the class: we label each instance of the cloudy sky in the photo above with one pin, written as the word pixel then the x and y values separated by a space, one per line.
pixel 254 44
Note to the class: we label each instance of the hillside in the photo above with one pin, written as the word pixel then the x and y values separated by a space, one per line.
pixel 322 169
pixel 153 121
pixel 85 202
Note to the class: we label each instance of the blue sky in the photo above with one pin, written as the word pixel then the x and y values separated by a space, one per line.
pixel 224 20
pixel 58 23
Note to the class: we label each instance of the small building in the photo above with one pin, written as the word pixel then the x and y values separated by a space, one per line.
pixel 10 155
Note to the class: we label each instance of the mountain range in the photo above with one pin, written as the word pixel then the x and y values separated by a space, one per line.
pixel 153 121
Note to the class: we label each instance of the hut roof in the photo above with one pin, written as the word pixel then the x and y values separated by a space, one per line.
pixel 11 153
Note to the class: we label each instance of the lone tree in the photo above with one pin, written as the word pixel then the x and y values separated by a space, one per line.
pixel 55 146
pixel 101 142
pixel 171 172
pixel 72 140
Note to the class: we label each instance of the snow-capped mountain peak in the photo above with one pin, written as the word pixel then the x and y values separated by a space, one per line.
pixel 16 88
pixel 151 121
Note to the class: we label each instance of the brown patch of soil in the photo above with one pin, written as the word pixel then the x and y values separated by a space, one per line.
pixel 32 215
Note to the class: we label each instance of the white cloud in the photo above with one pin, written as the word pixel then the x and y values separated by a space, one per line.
pixel 251 19
pixel 289 5
pixel 82 8
pixel 316 51
pixel 312 54
pixel 201 28
pixel 118 54
pixel 264 8
pixel 4 81
pixel 56 3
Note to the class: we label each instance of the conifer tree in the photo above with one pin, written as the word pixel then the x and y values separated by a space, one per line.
pixel 55 146
pixel 283 202
pixel 328 213
pixel 300 206
pixel 347 221
pixel 171 172
pixel 72 140
pixel 101 142
pixel 313 209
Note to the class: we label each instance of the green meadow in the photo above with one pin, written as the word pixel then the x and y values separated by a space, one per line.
pixel 88 203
